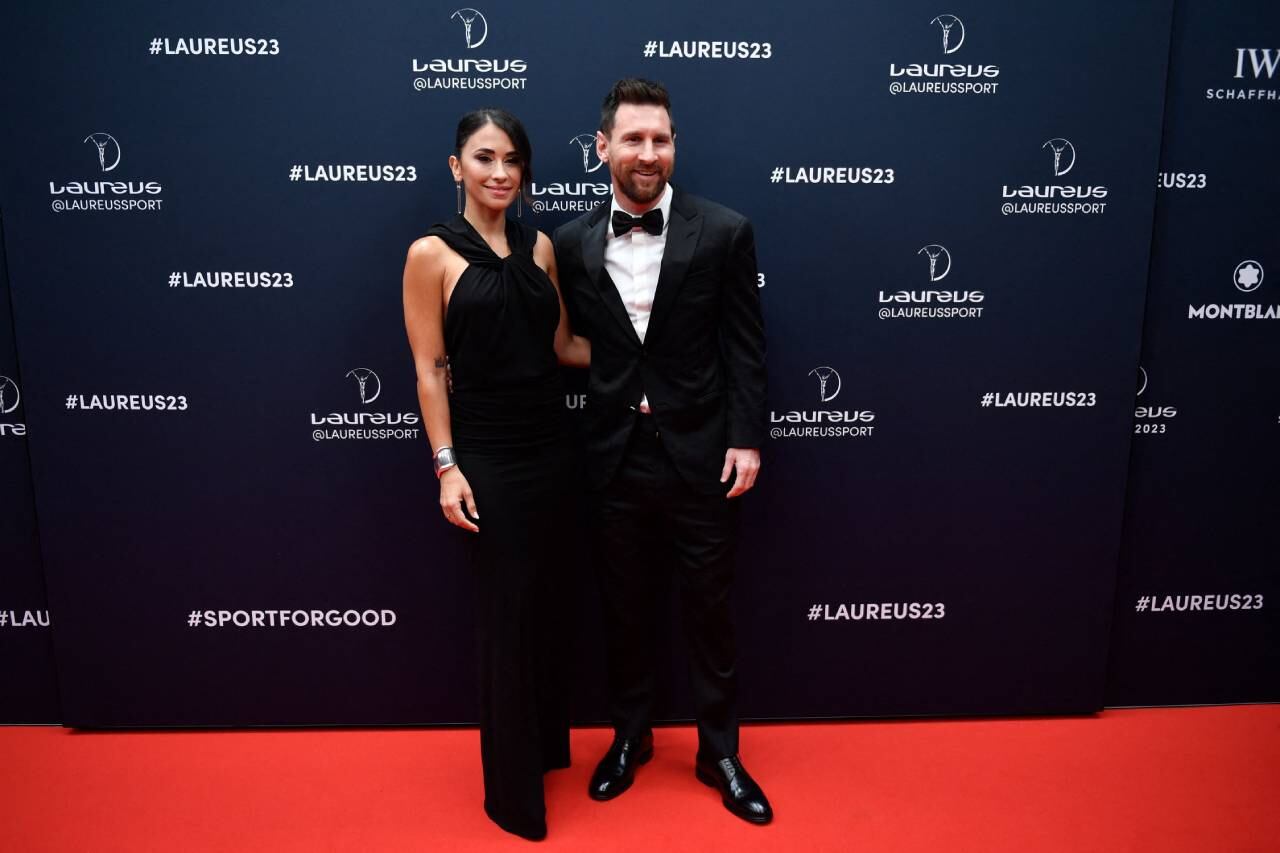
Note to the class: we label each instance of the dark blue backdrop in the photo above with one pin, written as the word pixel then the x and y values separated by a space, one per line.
pixel 961 470
pixel 1199 563
pixel 28 692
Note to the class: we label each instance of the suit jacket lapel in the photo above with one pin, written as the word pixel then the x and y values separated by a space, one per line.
pixel 682 240
pixel 593 261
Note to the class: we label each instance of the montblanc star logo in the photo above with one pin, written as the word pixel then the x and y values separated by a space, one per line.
pixel 1248 276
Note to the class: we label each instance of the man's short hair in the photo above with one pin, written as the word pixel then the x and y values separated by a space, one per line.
pixel 633 90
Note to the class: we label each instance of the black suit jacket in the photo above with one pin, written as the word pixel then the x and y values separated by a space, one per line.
pixel 702 361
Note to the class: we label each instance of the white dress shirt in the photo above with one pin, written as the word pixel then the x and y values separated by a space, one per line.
pixel 633 260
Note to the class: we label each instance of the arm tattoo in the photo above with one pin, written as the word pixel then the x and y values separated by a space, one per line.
pixel 440 363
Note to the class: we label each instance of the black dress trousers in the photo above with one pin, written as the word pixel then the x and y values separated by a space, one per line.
pixel 648 515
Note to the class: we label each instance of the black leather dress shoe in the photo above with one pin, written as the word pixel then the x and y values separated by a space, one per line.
pixel 738 791
pixel 617 770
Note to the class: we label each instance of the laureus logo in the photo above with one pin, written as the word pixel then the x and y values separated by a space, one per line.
pixel 825 374
pixel 1064 155
pixel 1248 276
pixel 951 41
pixel 1056 197
pixel 939 258
pixel 9 395
pixel 1147 413
pixel 364 425
pixel 824 422
pixel 369 391
pixel 469 18
pixel 587 142
pixel 108 150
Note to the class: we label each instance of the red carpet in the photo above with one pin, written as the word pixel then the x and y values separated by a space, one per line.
pixel 1193 779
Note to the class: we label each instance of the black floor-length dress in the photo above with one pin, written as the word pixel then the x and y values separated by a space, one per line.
pixel 508 416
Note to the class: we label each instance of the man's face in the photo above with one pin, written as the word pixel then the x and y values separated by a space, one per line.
pixel 641 153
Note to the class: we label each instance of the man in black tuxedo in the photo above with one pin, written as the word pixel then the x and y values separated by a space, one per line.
pixel 664 285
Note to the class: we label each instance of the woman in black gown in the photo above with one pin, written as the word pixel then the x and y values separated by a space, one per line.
pixel 481 303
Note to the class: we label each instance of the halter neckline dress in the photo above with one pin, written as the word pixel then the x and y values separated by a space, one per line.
pixel 510 434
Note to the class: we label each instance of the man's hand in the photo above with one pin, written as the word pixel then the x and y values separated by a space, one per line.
pixel 747 462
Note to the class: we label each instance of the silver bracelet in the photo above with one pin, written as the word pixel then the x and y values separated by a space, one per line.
pixel 444 460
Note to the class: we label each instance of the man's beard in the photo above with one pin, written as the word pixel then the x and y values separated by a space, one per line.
pixel 636 195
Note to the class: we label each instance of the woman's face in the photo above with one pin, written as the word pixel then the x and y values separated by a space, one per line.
pixel 490 168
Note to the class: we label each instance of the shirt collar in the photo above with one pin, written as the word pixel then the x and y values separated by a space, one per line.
pixel 664 205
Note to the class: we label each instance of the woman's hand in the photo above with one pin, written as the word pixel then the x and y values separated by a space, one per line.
pixel 454 492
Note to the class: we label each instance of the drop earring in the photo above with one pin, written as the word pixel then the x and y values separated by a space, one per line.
pixel 459 186
pixel 520 204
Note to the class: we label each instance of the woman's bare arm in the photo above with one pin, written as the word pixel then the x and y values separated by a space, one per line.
pixel 424 273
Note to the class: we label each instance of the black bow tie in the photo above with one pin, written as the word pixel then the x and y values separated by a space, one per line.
pixel 650 221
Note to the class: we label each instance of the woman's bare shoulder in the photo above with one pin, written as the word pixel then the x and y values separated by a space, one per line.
pixel 427 249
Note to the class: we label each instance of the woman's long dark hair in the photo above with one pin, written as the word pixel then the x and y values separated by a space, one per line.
pixel 508 124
